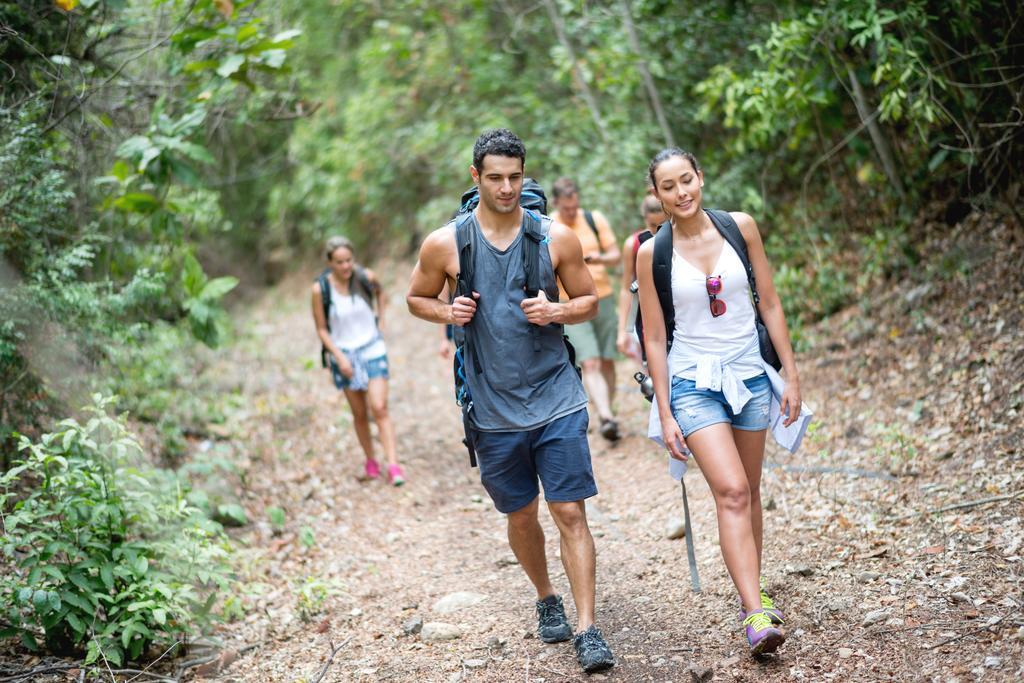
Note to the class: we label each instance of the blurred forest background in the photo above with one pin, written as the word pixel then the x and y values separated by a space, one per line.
pixel 156 153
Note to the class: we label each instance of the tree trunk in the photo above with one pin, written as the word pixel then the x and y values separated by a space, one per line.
pixel 588 96
pixel 645 73
pixel 875 131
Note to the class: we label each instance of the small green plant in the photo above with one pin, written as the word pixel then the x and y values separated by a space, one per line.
pixel 106 552
pixel 897 446
pixel 277 518
pixel 311 595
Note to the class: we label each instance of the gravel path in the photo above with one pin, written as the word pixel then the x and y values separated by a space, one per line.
pixel 868 596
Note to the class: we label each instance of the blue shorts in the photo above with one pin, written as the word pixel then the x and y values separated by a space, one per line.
pixel 375 367
pixel 557 453
pixel 698 408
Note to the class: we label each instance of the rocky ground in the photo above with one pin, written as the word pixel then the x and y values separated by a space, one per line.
pixel 893 539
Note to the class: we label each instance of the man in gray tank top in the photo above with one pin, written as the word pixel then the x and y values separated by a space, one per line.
pixel 529 411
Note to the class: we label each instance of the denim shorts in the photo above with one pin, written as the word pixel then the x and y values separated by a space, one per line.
pixel 698 408
pixel 557 453
pixel 375 367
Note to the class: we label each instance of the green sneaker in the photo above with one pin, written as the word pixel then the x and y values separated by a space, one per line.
pixel 767 605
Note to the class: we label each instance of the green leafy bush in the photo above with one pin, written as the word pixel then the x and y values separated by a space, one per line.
pixel 106 553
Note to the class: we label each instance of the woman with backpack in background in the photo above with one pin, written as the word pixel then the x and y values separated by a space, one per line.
pixel 653 216
pixel 344 299
pixel 713 396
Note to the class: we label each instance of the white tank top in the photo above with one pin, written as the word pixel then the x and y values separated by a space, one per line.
pixel 351 321
pixel 698 333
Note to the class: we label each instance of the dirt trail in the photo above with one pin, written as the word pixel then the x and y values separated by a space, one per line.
pixel 868 597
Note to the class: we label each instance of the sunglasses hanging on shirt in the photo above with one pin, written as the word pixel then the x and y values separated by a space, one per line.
pixel 713 283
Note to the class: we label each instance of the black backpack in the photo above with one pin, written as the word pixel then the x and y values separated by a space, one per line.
pixel 359 285
pixel 534 204
pixel 661 268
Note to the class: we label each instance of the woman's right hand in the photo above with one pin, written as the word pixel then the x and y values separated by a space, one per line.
pixel 344 366
pixel 672 435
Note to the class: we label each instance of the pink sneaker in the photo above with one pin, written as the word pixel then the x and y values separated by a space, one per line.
pixel 395 475
pixel 372 468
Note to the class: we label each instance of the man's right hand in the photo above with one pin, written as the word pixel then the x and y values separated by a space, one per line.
pixel 463 309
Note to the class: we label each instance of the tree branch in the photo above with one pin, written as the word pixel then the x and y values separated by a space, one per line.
pixel 82 100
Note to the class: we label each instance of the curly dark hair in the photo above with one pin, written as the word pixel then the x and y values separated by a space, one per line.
pixel 501 142
pixel 665 155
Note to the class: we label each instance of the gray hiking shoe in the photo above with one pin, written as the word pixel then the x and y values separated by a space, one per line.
pixel 592 651
pixel 552 626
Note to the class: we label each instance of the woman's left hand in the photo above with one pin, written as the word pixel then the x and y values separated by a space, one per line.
pixel 790 403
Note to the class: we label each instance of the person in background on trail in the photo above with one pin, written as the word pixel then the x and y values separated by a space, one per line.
pixel 528 414
pixel 714 343
pixel 594 339
pixel 653 215
pixel 344 298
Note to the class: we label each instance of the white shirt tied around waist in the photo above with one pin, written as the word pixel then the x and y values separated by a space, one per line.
pixel 714 373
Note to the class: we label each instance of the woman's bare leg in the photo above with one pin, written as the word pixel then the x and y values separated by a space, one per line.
pixel 378 395
pixel 361 419
pixel 715 452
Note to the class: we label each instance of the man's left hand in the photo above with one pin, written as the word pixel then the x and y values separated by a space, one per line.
pixel 538 310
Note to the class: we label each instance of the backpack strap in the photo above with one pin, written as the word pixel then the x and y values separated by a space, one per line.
pixel 362 286
pixel 325 301
pixel 464 280
pixel 588 216
pixel 532 239
pixel 661 270
pixel 726 224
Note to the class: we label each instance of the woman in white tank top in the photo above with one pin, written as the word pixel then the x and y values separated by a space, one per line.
pixel 711 394
pixel 353 345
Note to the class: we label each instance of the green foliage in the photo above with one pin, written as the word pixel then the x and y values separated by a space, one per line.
pixel 91 253
pixel 158 377
pixel 276 516
pixel 311 595
pixel 106 552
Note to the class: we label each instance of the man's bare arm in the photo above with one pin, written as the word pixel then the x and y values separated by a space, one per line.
pixel 567 259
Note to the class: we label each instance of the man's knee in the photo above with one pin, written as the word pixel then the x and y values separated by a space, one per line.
pixel 591 365
pixel 569 516
pixel 524 518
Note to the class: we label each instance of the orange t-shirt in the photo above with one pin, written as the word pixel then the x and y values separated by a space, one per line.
pixel 590 244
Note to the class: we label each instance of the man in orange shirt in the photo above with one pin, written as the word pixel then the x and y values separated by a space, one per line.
pixel 595 339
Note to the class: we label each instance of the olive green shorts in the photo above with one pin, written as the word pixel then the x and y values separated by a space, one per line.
pixel 596 338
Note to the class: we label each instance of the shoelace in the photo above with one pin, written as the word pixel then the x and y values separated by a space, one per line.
pixel 548 613
pixel 766 601
pixel 591 638
pixel 758 621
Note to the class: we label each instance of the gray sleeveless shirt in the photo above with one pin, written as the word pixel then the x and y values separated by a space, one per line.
pixel 526 379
